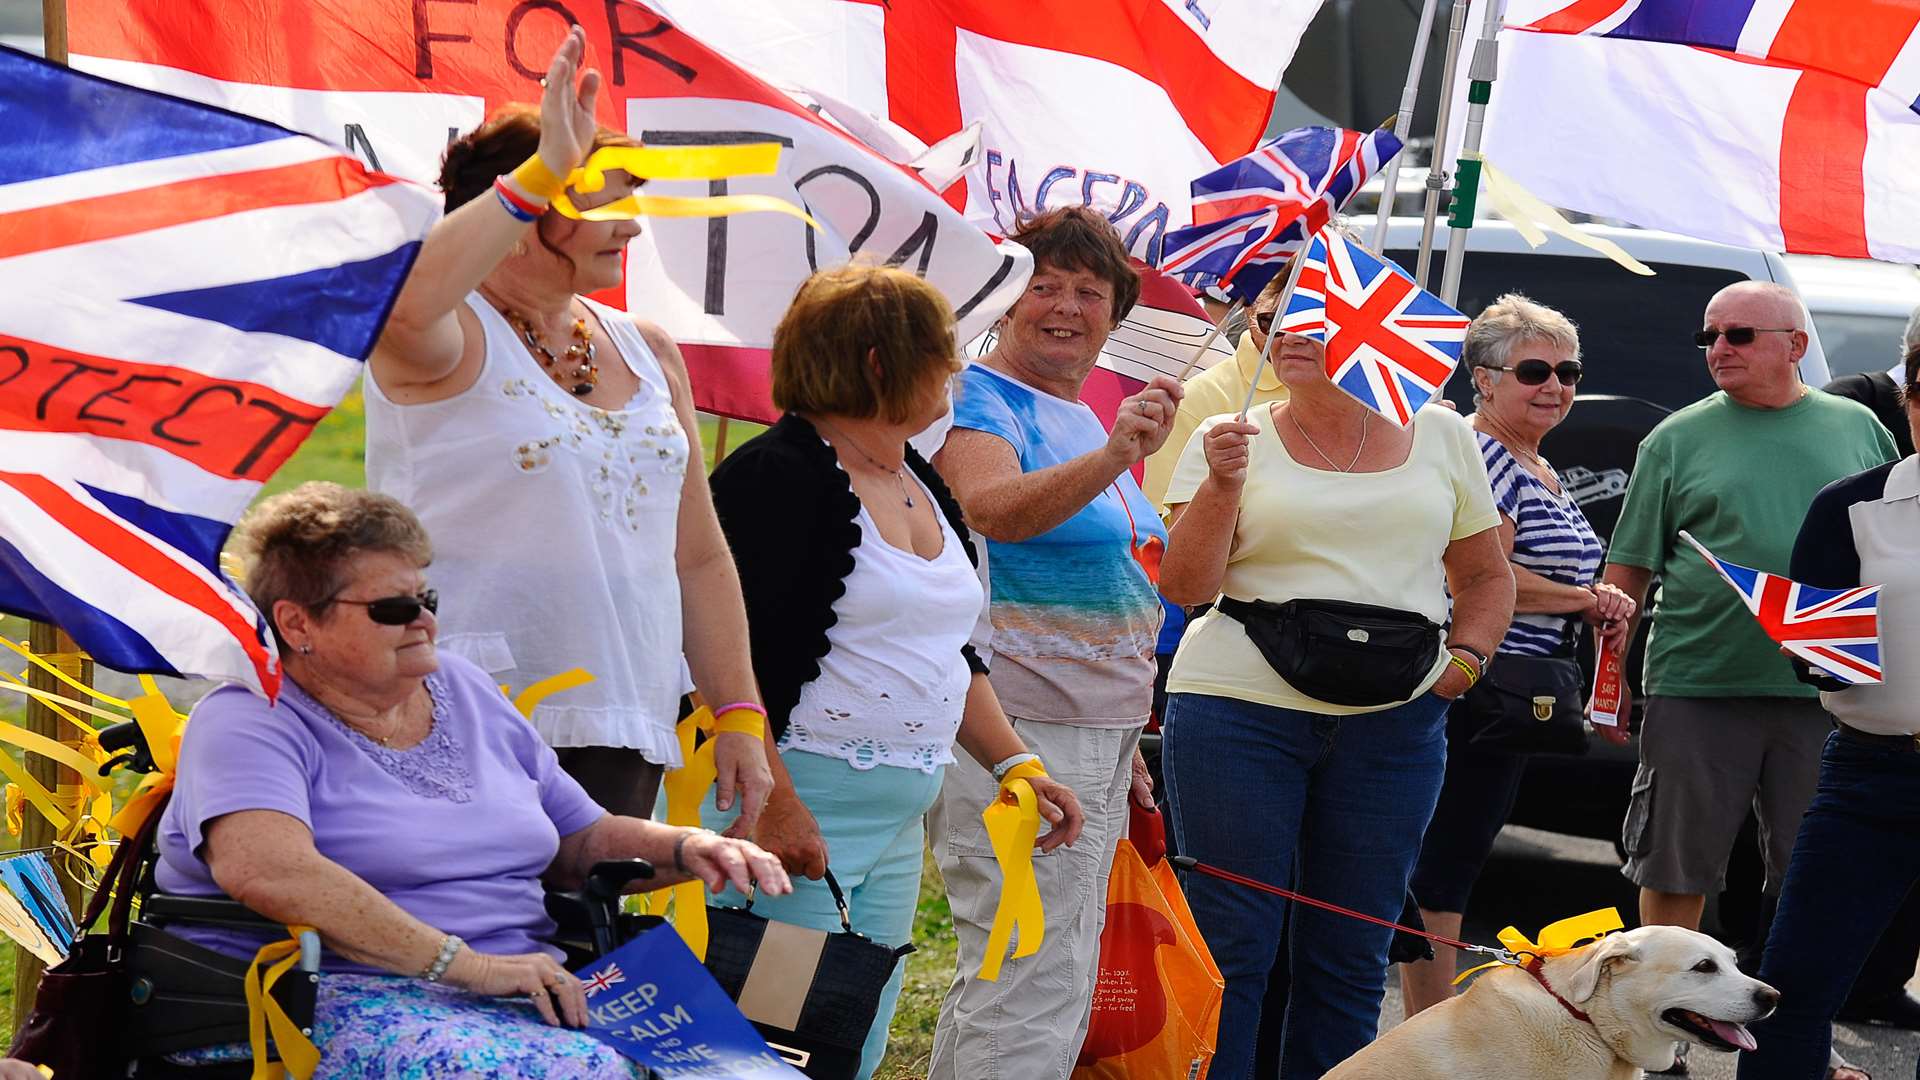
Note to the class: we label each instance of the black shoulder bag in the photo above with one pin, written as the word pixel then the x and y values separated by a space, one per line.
pixel 1525 705
pixel 1340 652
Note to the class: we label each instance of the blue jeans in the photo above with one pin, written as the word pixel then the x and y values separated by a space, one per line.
pixel 1334 806
pixel 1854 861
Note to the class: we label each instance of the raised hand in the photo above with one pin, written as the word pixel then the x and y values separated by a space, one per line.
pixel 567 125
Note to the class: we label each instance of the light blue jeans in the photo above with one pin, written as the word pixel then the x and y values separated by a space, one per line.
pixel 871 821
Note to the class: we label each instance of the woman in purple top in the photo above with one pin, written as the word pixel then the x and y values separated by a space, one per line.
pixel 401 807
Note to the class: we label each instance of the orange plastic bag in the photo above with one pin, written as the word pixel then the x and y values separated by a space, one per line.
pixel 1156 1006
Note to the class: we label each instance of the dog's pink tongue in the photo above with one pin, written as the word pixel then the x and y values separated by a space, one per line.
pixel 1734 1033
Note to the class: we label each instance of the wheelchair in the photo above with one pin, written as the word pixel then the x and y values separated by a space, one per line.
pixel 184 996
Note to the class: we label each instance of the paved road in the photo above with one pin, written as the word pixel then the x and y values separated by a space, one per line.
pixel 1537 877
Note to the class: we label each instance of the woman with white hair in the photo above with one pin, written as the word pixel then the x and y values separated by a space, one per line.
pixel 1524 359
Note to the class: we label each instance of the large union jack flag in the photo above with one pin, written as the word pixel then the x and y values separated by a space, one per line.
pixel 1250 214
pixel 1835 630
pixel 1390 343
pixel 188 291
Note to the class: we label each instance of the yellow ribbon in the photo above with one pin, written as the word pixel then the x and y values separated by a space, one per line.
pixel 297 1052
pixel 686 788
pixel 530 698
pixel 634 206
pixel 674 163
pixel 162 728
pixel 1533 218
pixel 1013 822
pixel 1556 939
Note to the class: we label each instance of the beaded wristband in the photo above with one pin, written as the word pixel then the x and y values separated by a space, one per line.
pixel 744 717
pixel 449 948
pixel 537 180
pixel 515 205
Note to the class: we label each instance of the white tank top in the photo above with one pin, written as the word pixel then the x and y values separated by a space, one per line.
pixel 893 684
pixel 553 526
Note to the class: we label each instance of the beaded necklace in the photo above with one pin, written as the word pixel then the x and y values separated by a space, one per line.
pixel 575 364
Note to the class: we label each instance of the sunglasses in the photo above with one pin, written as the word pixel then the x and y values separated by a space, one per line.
pixel 1535 372
pixel 396 610
pixel 1735 335
pixel 1264 320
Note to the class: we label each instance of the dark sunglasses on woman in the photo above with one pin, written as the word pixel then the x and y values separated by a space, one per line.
pixel 396 610
pixel 1736 335
pixel 1535 372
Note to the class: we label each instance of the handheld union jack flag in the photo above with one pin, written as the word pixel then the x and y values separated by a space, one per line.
pixel 188 292
pixel 1250 214
pixel 1835 630
pixel 603 979
pixel 1390 343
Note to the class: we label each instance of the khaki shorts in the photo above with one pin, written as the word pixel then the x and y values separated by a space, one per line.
pixel 1703 763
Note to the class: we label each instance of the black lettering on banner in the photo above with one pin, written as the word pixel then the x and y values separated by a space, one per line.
pixel 519 15
pixel 921 240
pixel 1000 275
pixel 1157 218
pixel 283 421
pixel 357 139
pixel 20 356
pixel 625 40
pixel 159 427
pixel 79 368
pixel 714 299
pixel 424 37
pixel 112 393
pixel 866 229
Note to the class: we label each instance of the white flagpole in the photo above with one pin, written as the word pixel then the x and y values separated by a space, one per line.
pixel 1200 353
pixel 1403 126
pixel 1466 185
pixel 1279 313
pixel 1437 171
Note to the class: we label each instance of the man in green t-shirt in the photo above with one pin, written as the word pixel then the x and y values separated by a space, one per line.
pixel 1727 725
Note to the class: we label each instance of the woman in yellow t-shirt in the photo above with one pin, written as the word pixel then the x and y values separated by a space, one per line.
pixel 1305 728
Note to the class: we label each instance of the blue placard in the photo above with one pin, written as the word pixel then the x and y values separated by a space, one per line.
pixel 653 1001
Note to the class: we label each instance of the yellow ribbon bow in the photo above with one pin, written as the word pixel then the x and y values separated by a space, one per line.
pixel 298 1055
pixel 1013 823
pixel 686 788
pixel 677 163
pixel 162 728
pixel 1556 939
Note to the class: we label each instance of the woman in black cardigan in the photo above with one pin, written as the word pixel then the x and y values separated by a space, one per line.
pixel 861 595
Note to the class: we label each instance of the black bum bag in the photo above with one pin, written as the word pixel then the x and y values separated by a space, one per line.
pixel 1340 652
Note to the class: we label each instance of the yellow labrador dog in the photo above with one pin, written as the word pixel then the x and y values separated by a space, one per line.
pixel 1604 1012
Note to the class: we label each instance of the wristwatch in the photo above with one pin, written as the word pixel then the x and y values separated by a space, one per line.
pixel 1479 656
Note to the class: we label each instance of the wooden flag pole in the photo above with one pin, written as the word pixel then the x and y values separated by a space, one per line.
pixel 1200 353
pixel 720 441
pixel 1279 314
pixel 54 644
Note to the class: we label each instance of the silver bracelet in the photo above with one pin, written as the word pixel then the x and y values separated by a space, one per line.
pixel 1005 766
pixel 449 948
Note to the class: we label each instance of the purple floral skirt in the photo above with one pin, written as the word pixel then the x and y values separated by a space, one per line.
pixel 379 1026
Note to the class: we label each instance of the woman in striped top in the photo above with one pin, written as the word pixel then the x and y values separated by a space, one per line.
pixel 1525 362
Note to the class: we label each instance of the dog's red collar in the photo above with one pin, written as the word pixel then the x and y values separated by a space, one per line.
pixel 1537 968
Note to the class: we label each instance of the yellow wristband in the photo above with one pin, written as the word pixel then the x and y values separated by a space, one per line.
pixel 1023 771
pixel 744 721
pixel 1472 675
pixel 537 180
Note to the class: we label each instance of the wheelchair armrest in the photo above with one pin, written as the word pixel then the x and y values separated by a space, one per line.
pixel 608 880
pixel 162 908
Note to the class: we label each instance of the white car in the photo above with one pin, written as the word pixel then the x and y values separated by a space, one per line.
pixel 1860 307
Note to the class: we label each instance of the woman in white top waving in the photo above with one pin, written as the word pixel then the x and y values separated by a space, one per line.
pixel 545 440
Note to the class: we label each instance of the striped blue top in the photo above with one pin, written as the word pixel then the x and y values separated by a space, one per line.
pixel 1551 537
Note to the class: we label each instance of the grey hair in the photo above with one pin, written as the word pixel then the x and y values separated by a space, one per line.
pixel 1911 339
pixel 1514 318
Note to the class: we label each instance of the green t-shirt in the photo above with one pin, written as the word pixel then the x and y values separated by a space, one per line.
pixel 1740 481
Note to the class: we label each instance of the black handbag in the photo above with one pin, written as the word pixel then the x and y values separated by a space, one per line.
pixel 1525 705
pixel 812 995
pixel 87 993
pixel 1341 652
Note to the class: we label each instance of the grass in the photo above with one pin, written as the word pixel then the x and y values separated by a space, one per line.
pixel 336 451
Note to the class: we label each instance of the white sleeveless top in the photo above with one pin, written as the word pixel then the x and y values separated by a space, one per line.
pixel 553 525
pixel 893 684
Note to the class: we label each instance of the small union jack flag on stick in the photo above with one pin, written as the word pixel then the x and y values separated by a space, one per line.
pixel 1390 344
pixel 1835 630
pixel 603 979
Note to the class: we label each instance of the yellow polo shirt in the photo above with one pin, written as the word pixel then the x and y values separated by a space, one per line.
pixel 1219 389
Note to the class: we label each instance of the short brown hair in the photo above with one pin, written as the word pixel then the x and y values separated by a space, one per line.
pixel 1081 238
pixel 820 347
pixel 295 545
pixel 497 147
